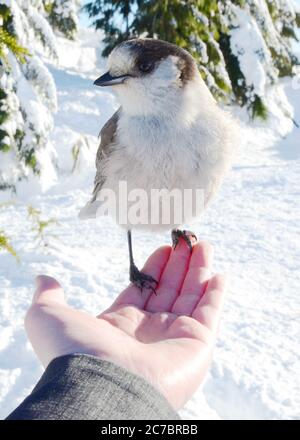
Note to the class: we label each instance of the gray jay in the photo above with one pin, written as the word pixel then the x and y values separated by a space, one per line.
pixel 167 133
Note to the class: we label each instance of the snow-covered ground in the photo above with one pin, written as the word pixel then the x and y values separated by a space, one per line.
pixel 254 225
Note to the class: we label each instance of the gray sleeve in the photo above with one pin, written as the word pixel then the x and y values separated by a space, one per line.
pixel 84 387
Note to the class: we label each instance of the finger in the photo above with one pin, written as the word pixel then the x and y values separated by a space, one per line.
pixel 171 280
pixel 195 281
pixel 209 308
pixel 154 267
pixel 48 290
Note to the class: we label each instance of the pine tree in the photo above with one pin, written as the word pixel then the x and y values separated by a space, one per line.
pixel 27 89
pixel 242 46
pixel 115 18
pixel 62 16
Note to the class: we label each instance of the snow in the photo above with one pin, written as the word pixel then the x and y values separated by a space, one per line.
pixel 253 225
pixel 248 45
pixel 31 98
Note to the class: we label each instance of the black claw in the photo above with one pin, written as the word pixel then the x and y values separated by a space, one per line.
pixel 141 279
pixel 186 235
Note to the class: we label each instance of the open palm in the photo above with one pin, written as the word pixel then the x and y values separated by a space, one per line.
pixel 166 338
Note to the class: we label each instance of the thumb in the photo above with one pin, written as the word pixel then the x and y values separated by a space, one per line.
pixel 48 290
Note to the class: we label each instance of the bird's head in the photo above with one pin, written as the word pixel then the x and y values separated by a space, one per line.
pixel 149 75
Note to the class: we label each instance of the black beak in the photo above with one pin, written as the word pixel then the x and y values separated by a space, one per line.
pixel 108 80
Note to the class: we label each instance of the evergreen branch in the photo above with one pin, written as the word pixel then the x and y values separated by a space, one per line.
pixel 8 41
pixel 40 226
pixel 6 246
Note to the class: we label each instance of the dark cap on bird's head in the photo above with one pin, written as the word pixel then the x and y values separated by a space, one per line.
pixel 139 58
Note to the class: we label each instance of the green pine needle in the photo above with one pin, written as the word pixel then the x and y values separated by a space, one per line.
pixel 6 246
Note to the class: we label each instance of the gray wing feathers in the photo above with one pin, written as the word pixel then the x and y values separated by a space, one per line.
pixel 108 133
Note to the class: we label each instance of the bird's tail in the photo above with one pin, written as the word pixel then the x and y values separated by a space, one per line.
pixel 89 210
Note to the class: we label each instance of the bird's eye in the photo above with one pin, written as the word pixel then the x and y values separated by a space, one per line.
pixel 146 66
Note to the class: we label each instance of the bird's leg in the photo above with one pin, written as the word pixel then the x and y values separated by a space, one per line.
pixel 138 278
pixel 186 235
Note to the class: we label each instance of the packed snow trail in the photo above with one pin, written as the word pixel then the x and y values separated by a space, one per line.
pixel 253 225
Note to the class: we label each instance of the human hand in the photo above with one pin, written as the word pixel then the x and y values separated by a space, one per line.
pixel 165 338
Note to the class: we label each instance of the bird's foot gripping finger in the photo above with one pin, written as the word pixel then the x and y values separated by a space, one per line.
pixel 187 236
pixel 141 279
